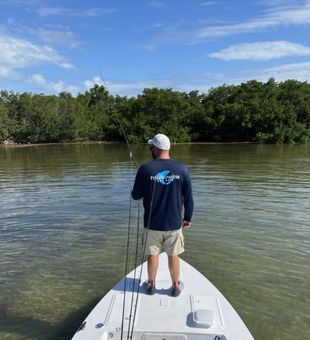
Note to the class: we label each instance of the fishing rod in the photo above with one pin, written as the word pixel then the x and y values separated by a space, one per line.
pixel 130 331
pixel 132 315
pixel 133 304
pixel 131 155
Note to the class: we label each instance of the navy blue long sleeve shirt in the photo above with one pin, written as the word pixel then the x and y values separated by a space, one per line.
pixel 172 187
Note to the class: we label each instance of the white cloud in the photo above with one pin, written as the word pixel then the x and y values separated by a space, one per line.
pixel 157 4
pixel 91 82
pixel 285 15
pixel 275 17
pixel 38 79
pixel 277 2
pixel 4 72
pixel 298 71
pixel 209 3
pixel 91 12
pixel 20 2
pixel 137 86
pixel 58 37
pixel 195 82
pixel 116 88
pixel 16 53
pixel 204 81
pixel 129 88
pixel 50 86
pixel 66 65
pixel 157 25
pixel 149 47
pixel 265 50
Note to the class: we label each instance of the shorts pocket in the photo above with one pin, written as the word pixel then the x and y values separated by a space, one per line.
pixel 182 242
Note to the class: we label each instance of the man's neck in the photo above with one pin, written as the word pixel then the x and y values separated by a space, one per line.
pixel 163 155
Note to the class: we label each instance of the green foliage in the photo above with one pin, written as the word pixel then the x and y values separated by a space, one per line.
pixel 6 124
pixel 258 112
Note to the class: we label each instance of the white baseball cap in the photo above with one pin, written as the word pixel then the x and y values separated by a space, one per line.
pixel 161 141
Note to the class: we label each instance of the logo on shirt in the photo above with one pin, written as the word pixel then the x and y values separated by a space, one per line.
pixel 165 177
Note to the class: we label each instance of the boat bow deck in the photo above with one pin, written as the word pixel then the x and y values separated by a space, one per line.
pixel 200 312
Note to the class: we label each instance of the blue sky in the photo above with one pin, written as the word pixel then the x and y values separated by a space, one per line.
pixel 52 46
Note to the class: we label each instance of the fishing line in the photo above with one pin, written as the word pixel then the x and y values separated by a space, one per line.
pixel 126 267
pixel 143 254
pixel 131 156
pixel 135 271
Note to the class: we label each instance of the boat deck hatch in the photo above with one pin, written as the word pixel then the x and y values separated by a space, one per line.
pixel 203 318
pixel 159 336
pixel 186 336
pixel 206 312
pixel 117 304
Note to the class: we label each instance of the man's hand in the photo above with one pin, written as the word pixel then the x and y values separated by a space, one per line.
pixel 186 224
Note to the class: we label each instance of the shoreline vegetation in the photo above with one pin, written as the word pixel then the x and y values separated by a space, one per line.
pixel 13 144
pixel 252 112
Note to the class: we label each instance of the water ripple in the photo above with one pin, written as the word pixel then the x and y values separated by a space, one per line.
pixel 63 220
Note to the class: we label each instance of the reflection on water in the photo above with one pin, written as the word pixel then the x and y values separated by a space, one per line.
pixel 63 220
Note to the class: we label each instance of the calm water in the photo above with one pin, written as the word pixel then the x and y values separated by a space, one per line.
pixel 63 220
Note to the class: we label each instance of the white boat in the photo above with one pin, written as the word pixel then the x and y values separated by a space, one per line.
pixel 199 312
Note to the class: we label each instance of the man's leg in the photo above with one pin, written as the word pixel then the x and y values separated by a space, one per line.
pixel 174 267
pixel 152 245
pixel 152 266
pixel 174 245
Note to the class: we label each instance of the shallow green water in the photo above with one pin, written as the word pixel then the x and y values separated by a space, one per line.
pixel 63 220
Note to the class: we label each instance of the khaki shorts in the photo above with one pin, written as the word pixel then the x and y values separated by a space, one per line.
pixel 172 242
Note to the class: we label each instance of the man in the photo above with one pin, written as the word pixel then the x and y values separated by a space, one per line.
pixel 165 187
